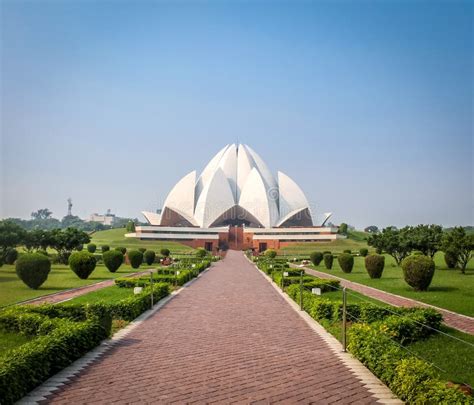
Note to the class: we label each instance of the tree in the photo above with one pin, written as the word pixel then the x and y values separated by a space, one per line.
pixel 130 226
pixel 66 240
pixel 11 235
pixel 113 259
pixel 37 239
pixel 371 229
pixel 343 229
pixel 426 238
pixel 42 213
pixel 458 242
pixel 393 241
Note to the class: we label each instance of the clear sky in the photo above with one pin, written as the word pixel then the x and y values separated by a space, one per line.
pixel 368 105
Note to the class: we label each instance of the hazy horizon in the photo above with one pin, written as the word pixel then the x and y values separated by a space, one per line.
pixel 367 105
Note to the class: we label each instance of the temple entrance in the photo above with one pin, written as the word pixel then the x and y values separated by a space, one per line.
pixel 236 237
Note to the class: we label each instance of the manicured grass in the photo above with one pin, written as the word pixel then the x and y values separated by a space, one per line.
pixel 449 289
pixel 61 277
pixel 107 294
pixel 337 246
pixel 10 340
pixel 116 237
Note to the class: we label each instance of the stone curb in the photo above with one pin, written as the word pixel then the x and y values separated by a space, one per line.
pixel 376 387
pixel 56 381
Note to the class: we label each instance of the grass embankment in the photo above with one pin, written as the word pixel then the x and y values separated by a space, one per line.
pixel 61 277
pixel 116 237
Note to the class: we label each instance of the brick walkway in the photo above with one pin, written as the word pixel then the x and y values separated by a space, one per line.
pixel 228 337
pixel 461 322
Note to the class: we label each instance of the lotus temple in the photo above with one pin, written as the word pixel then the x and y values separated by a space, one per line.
pixel 237 203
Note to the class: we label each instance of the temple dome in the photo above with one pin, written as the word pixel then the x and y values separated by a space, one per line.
pixel 236 187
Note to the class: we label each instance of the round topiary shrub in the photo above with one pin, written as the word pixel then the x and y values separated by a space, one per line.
pixel 136 258
pixel 143 250
pixel 91 247
pixel 363 252
pixel 327 252
pixel 347 251
pixel 270 253
pixel 451 258
pixel 105 248
pixel 79 248
pixel 149 256
pixel 11 254
pixel 33 269
pixel 121 249
pixel 82 263
pixel 374 265
pixel 328 259
pixel 165 252
pixel 346 262
pixel 201 253
pixel 113 259
pixel 418 271
pixel 316 258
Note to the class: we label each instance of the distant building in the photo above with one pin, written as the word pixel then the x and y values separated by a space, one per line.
pixel 105 219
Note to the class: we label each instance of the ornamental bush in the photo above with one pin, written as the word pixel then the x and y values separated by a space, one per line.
pixel 201 253
pixel 346 262
pixel 91 247
pixel 142 249
pixel 165 252
pixel 316 258
pixel 451 258
pixel 82 263
pixel 121 249
pixel 328 259
pixel 11 254
pixel 327 252
pixel 363 252
pixel 374 265
pixel 33 269
pixel 347 251
pixel 270 253
pixel 105 248
pixel 418 271
pixel 149 257
pixel 113 259
pixel 136 258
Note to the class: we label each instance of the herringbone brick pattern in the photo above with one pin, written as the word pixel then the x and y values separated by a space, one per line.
pixel 228 338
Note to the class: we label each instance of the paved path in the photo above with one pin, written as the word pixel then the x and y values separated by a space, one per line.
pixel 461 322
pixel 228 337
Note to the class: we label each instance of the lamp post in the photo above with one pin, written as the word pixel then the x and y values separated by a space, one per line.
pixel 151 285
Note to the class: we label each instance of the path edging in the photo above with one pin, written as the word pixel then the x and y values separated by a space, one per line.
pixel 59 379
pixel 376 387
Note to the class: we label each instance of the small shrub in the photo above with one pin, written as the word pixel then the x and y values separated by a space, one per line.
pixel 121 249
pixel 418 271
pixel 451 258
pixel 346 262
pixel 113 259
pixel 328 259
pixel 201 253
pixel 136 258
pixel 165 252
pixel 347 251
pixel 91 247
pixel 79 248
pixel 316 258
pixel 149 257
pixel 363 252
pixel 82 263
pixel 374 265
pixel 11 255
pixel 270 253
pixel 105 248
pixel 327 252
pixel 143 250
pixel 33 269
pixel 378 251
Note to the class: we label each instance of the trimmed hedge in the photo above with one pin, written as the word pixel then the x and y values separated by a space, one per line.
pixel 136 258
pixel 363 252
pixel 328 259
pixel 451 258
pixel 165 252
pixel 201 253
pixel 270 253
pixel 82 263
pixel 374 264
pixel 316 258
pixel 11 254
pixel 346 262
pixel 33 269
pixel 418 271
pixel 91 247
pixel 149 256
pixel 113 259
pixel 105 248
pixel 121 249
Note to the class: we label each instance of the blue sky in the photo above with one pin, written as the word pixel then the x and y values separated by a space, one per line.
pixel 368 105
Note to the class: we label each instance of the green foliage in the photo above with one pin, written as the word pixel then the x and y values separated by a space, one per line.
pixel 33 269
pixel 123 250
pixel 113 259
pixel 418 271
pixel 105 248
pixel 79 248
pixel 458 242
pixel 11 254
pixel 201 253
pixel 91 247
pixel 363 252
pixel 343 229
pixel 347 251
pixel 426 238
pixel 395 242
pixel 142 249
pixel 328 259
pixel 374 264
pixel 149 256
pixel 346 262
pixel 316 258
pixel 165 252
pixel 130 226
pixel 136 258
pixel 270 253
pixel 11 235
pixel 82 263
pixel 451 258
pixel 64 241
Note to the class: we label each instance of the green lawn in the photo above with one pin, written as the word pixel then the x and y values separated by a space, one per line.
pixel 337 246
pixel 61 277
pixel 107 294
pixel 116 237
pixel 449 289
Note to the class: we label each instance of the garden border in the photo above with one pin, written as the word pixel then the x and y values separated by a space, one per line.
pixel 59 379
pixel 376 387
